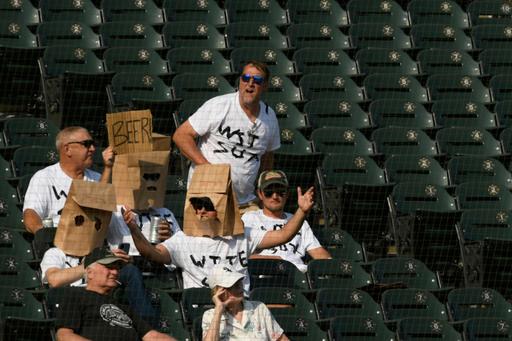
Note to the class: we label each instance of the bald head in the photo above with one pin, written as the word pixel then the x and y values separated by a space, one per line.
pixel 66 135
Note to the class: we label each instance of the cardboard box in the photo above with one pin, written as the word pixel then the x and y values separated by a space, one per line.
pixel 130 131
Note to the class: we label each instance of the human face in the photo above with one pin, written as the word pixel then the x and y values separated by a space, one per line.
pixel 273 198
pixel 236 290
pixel 80 149
pixel 204 208
pixel 249 91
pixel 104 276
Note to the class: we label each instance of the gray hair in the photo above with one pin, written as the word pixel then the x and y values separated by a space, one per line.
pixel 65 133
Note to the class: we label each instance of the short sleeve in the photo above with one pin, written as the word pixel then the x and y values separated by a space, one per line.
pixel 309 240
pixel 274 330
pixel 275 139
pixel 202 121
pixel 206 321
pixel 172 246
pixel 254 238
pixel 51 259
pixel 35 198
pixel 69 311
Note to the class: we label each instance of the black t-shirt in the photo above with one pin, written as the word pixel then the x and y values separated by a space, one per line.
pixel 99 317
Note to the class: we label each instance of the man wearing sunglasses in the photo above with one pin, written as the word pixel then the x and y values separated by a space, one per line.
pixel 238 129
pixel 273 193
pixel 48 188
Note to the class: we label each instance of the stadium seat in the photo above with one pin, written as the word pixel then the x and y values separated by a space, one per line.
pixel 428 36
pixel 171 317
pixel 337 273
pixel 130 34
pixel 200 11
pixel 14 34
pixel 58 10
pixel 15 272
pixel 288 115
pixel 256 11
pixel 341 140
pixel 479 224
pixel 332 302
pixel 275 273
pixel 359 328
pixel 503 110
pixel 444 61
pixel 419 329
pixel 22 12
pixel 484 194
pixel 43 240
pixel 12 243
pixel 463 113
pixel 403 140
pixel 10 215
pixel 351 168
pixel 30 159
pixel 412 272
pixel 501 87
pixel 395 86
pixel 466 303
pixel 324 60
pixel 402 113
pixel 478 168
pixel 445 12
pixel 135 59
pixel 320 86
pixel 492 36
pixel 281 88
pixel 284 301
pixel 467 88
pixel 306 11
pixel 198 60
pixel 193 34
pixel 383 12
pixel 495 61
pixel 195 301
pixel 481 329
pixel 419 168
pixel 468 141
pixel 398 304
pixel 58 60
pixel 293 142
pixel 380 60
pixel 255 34
pixel 276 61
pixel 378 35
pixel 317 35
pixel 340 244
pixel 175 194
pixel 301 329
pixel 496 265
pixel 200 86
pixel 336 113
pixel 5 169
pixel 410 197
pixel 67 33
pixel 485 12
pixel 27 131
pixel 141 11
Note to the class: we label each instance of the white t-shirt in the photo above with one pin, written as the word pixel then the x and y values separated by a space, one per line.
pixel 228 136
pixel 48 189
pixel 257 324
pixel 120 233
pixel 56 258
pixel 197 255
pixel 295 249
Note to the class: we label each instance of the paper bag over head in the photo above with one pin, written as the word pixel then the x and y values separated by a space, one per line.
pixel 213 182
pixel 85 217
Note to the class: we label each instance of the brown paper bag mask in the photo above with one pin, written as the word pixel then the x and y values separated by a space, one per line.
pixel 85 217
pixel 140 179
pixel 212 182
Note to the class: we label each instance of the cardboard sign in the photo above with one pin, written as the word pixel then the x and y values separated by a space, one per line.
pixel 130 131
pixel 85 217
pixel 161 142
pixel 214 182
pixel 140 179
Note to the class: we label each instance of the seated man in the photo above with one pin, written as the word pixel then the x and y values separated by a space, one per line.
pixel 273 193
pixel 48 189
pixel 91 313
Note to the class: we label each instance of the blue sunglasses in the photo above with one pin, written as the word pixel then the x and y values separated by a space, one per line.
pixel 256 79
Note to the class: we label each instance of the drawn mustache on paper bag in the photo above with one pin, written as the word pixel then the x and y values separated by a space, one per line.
pixel 213 182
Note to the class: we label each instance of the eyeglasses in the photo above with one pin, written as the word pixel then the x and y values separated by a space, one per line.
pixel 151 176
pixel 269 192
pixel 200 203
pixel 86 143
pixel 256 79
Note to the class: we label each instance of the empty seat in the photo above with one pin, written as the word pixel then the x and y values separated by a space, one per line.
pixel 142 11
pixel 301 329
pixel 478 168
pixel 135 59
pixel 495 61
pixel 411 329
pixel 275 273
pixel 341 140
pixel 284 301
pixel 58 10
pixel 22 12
pixel 479 224
pixel 256 11
pixel 324 60
pixel 336 273
pixel 481 329
pixel 340 169
pixel 18 35
pixel 379 60
pixel 200 11
pixel 444 61
pixel 27 131
pixel 463 113
pixel 405 303
pixel 446 12
pixel 320 86
pixel 483 12
pixel 395 86
pixel 130 34
pixel 196 86
pixel 340 244
pixel 403 140
pixel 59 33
pixel 332 302
pixel 412 272
pixel 501 87
pixel 306 11
pixel 378 35
pixel 427 36
pixel 61 60
pixel 402 113
pixel 281 88
pixel 484 194
pixel 468 141
pixel 383 12
pixel 317 35
pixel 503 110
pixel 360 328
pixel 30 159
pixel 276 61
pixel 466 303
pixel 410 168
pixel 410 197
pixel 193 34
pixel 255 34
pixel 198 60
pixel 469 88
pixel 492 36
pixel 336 113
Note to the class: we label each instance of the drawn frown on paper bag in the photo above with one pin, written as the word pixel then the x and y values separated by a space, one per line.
pixel 140 179
pixel 85 217
pixel 214 182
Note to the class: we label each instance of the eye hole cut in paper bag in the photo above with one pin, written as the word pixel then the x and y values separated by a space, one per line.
pixel 130 131
pixel 140 179
pixel 85 217
pixel 214 182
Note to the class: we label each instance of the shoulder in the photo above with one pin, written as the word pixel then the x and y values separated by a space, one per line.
pixel 251 215
pixel 218 100
pixel 54 252
pixel 268 112
pixel 51 170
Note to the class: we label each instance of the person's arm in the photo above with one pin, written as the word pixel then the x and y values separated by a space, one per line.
pixel 153 335
pixel 185 139
pixel 66 334
pixel 213 331
pixel 278 237
pixel 283 338
pixel 32 220
pixel 108 163
pixel 319 253
pixel 267 161
pixel 60 277
pixel 156 253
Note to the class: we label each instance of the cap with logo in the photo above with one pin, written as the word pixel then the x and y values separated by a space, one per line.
pixel 272 177
pixel 223 276
pixel 101 255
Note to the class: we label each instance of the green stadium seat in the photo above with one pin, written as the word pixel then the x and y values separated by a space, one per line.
pixel 481 329
pixel 401 113
pixel 409 197
pixel 175 194
pixel 256 11
pixel 324 60
pixel 22 12
pixel 26 131
pixel 403 140
pixel 171 317
pixel 12 243
pixel 275 273
pixel 256 34
pixel 495 61
pixel 463 113
pixel 492 36
pixel 468 88
pixel 484 12
pixel 130 34
pixel 484 194
pixel 15 272
pixel 428 36
pixel 340 169
pixel 359 328
pixel 5 169
pixel 320 86
pixel 378 35
pixel 135 59
pixel 58 10
pixel 284 301
pixel 478 168
pixel 306 11
pixel 288 115
pixel 319 35
pixel 281 88
pixel 333 302
pixel 198 60
pixel 398 304
pixel 412 272
pixel 443 61
pixel 479 224
pixel 43 240
pixel 186 10
pixel 336 113
pixel 421 329
pixel 10 215
pixel 381 60
pixel 276 61
pixel 193 34
pixel 293 142
pixel 383 12
pixel 58 60
pixel 340 244
pixel 301 329
pixel 410 168
pixel 142 11
pixel 195 301
pixel 468 141
pixel 30 159
pixel 200 86
pixel 68 33
pixel 395 86
pixel 16 34
pixel 467 303
pixel 337 273
pixel 341 140
pixel 501 87
pixel 445 12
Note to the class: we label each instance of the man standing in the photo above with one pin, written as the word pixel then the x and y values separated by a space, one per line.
pixel 47 191
pixel 237 129
pixel 91 313
pixel 273 193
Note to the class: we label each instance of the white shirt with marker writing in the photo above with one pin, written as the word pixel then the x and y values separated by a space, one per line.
pixel 228 136
pixel 295 249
